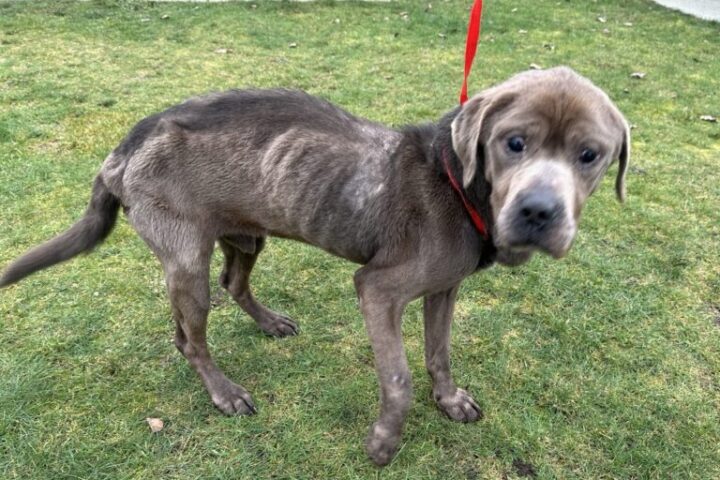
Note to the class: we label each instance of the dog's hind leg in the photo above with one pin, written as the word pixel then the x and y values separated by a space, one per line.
pixel 241 252
pixel 190 299
pixel 185 252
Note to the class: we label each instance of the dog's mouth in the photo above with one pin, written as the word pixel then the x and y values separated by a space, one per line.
pixel 517 253
pixel 513 257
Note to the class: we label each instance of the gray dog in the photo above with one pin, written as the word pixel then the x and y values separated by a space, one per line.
pixel 421 208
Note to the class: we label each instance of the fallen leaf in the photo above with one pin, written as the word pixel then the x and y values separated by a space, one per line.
pixel 156 424
pixel 708 118
pixel 442 35
pixel 535 66
pixel 514 10
pixel 522 32
pixel 222 51
pixel 165 17
pixel 639 75
pixel 628 24
pixel 606 31
pixel 292 45
pixel 601 19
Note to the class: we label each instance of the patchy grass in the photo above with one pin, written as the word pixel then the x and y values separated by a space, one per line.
pixel 603 365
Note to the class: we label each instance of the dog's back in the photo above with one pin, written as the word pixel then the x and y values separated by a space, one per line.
pixel 261 162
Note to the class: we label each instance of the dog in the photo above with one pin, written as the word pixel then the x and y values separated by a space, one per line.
pixel 420 208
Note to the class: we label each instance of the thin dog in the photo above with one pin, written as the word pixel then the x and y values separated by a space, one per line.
pixel 237 167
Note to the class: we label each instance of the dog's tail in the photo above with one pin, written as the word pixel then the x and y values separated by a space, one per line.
pixel 90 230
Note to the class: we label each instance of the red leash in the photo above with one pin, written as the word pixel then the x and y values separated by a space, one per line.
pixel 473 35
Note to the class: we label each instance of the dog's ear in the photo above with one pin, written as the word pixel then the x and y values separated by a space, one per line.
pixel 469 124
pixel 624 159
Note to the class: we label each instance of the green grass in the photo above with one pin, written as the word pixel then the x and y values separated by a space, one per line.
pixel 603 365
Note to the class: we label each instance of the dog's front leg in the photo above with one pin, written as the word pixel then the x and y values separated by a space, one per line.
pixel 455 402
pixel 382 307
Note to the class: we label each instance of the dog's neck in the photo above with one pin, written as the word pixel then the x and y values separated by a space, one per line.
pixel 477 193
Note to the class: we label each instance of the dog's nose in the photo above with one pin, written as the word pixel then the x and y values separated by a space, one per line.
pixel 539 208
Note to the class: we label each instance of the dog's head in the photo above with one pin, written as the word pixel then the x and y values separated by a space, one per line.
pixel 547 137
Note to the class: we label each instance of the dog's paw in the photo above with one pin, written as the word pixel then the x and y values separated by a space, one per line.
pixel 232 399
pixel 381 444
pixel 278 325
pixel 459 406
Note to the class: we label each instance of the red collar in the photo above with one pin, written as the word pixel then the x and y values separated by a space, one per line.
pixel 474 215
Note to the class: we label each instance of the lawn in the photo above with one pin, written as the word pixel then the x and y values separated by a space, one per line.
pixel 603 365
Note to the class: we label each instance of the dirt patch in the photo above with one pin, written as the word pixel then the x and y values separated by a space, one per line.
pixel 524 469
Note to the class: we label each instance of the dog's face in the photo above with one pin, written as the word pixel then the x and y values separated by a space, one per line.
pixel 547 138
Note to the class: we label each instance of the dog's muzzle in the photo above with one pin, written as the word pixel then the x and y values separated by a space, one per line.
pixel 537 219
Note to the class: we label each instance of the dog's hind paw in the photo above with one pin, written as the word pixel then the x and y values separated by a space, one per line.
pixel 459 406
pixel 278 325
pixel 232 399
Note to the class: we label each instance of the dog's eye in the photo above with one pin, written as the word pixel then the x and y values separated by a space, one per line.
pixel 516 144
pixel 588 155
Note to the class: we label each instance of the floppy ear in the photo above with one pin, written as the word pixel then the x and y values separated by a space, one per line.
pixel 467 126
pixel 624 159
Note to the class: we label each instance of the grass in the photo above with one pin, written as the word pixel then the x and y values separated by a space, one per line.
pixel 603 365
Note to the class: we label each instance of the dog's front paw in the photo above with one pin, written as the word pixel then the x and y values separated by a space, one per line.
pixel 232 399
pixel 381 444
pixel 459 406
